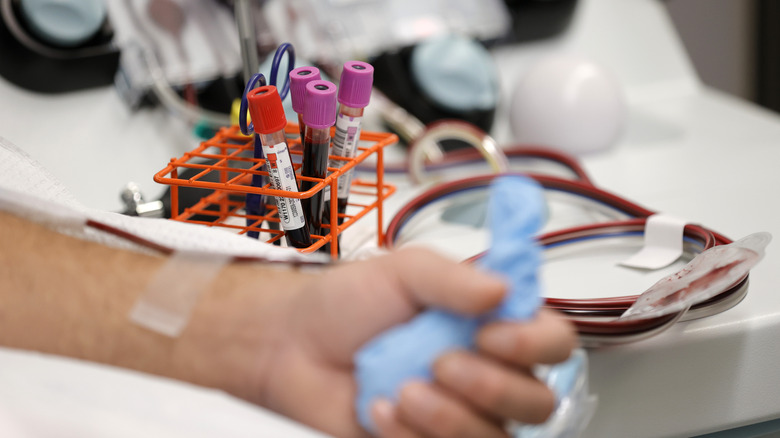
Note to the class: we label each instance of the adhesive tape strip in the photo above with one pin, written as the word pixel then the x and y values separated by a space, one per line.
pixel 169 299
pixel 663 243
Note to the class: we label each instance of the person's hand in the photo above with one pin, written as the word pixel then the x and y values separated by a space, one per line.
pixel 302 364
pixel 282 338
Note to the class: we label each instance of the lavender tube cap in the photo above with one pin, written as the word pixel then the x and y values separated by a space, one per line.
pixel 299 77
pixel 319 110
pixel 355 84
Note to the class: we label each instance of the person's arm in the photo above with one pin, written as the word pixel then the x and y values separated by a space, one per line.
pixel 280 337
pixel 72 297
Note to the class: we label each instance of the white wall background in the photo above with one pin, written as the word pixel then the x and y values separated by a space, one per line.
pixel 718 35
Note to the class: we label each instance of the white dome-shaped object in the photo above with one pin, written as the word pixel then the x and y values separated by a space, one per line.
pixel 569 103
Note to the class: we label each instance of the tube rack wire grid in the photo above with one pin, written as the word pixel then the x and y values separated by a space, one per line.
pixel 225 165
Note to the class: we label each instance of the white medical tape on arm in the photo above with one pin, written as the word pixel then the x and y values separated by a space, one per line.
pixel 663 243
pixel 166 305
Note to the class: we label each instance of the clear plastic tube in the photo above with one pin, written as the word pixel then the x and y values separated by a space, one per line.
pixel 345 141
pixel 355 87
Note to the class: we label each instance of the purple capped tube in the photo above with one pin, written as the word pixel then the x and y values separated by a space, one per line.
pixel 299 77
pixel 354 94
pixel 319 114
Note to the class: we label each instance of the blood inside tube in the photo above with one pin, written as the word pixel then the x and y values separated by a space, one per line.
pixel 315 164
pixel 282 175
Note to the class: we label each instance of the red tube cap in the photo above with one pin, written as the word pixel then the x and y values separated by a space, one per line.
pixel 265 107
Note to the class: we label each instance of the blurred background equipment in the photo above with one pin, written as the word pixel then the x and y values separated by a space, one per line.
pixel 55 46
pixel 341 30
pixel 63 23
pixel 432 57
pixel 537 19
pixel 184 55
pixel 447 76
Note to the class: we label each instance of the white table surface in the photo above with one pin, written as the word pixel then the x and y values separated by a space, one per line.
pixel 716 166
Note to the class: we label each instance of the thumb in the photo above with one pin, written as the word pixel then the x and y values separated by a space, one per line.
pixel 431 280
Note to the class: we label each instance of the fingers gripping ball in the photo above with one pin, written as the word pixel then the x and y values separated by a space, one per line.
pixel 408 351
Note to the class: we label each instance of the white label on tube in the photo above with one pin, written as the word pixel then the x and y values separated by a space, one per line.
pixel 282 175
pixel 345 145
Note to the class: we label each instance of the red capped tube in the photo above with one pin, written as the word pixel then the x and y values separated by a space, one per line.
pixel 265 107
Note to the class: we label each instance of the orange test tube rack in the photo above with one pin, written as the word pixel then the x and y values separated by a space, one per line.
pixel 228 158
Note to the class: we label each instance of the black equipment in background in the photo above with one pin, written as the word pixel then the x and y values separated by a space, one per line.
pixel 32 63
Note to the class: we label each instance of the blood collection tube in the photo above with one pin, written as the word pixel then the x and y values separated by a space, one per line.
pixel 299 77
pixel 354 94
pixel 319 114
pixel 265 107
